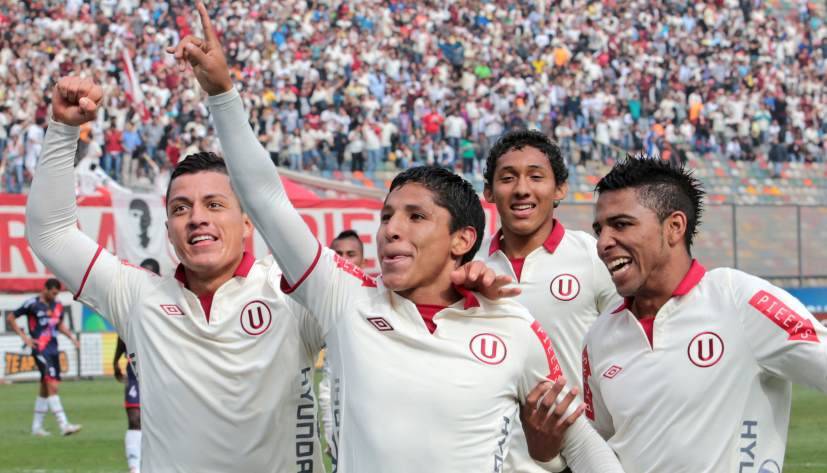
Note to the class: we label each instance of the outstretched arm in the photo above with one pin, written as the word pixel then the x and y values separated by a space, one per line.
pixel 253 175
pixel 96 276
pixel 51 209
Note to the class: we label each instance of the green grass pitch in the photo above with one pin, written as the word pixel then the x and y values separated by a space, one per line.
pixel 98 448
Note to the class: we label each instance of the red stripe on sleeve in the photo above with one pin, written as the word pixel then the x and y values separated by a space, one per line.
pixel 554 370
pixel 587 390
pixel 88 270
pixel 287 288
pixel 797 327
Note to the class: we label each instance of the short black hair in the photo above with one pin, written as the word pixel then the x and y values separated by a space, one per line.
pixel 52 283
pixel 661 186
pixel 519 139
pixel 350 234
pixel 452 193
pixel 195 163
pixel 151 264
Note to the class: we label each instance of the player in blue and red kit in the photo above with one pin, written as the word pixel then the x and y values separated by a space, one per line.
pixel 44 318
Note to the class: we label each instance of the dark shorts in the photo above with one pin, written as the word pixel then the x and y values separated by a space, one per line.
pixel 132 396
pixel 48 364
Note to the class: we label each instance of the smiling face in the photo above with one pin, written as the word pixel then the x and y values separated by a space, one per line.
pixel 639 250
pixel 416 248
pixel 205 224
pixel 524 190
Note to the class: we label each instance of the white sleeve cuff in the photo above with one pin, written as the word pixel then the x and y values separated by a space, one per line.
pixel 555 465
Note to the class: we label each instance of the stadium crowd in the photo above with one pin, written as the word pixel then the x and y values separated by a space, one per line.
pixel 381 85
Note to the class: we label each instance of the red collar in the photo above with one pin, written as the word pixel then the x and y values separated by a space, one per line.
pixel 470 300
pixel 690 280
pixel 247 261
pixel 551 243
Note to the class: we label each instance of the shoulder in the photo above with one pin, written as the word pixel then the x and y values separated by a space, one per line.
pixel 735 283
pixel 579 240
pixel 505 307
pixel 29 303
pixel 605 323
pixel 484 254
pixel 506 313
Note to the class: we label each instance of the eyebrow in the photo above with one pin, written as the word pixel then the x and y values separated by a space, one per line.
pixel 611 219
pixel 408 208
pixel 513 169
pixel 185 199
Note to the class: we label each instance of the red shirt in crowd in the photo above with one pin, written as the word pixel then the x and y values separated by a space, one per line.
pixel 432 122
pixel 113 141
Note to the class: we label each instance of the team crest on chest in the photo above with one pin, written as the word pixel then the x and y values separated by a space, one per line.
pixel 488 348
pixel 705 349
pixel 256 318
pixel 565 287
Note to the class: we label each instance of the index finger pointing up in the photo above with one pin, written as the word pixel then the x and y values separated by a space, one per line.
pixel 206 24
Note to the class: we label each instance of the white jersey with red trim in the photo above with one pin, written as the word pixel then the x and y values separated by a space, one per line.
pixel 404 399
pixel 232 392
pixel 565 286
pixel 411 400
pixel 712 392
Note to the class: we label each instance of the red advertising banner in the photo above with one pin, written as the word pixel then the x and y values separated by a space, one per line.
pixel 21 271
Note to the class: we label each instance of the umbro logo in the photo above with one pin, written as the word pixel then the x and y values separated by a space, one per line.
pixel 173 310
pixel 613 371
pixel 380 323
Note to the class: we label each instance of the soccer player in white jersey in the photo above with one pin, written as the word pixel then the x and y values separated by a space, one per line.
pixel 224 358
pixel 693 371
pixel 431 376
pixel 564 284
pixel 349 247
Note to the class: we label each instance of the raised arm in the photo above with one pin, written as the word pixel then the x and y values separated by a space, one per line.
pixel 253 174
pixel 97 277
pixel 51 209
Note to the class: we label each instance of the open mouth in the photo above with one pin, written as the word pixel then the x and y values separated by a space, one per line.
pixel 201 240
pixel 618 266
pixel 521 209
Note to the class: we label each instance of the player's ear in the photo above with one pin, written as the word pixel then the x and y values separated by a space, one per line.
pixel 488 194
pixel 675 228
pixel 248 226
pixel 462 241
pixel 560 192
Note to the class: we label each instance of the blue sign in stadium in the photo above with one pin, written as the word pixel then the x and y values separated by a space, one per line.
pixel 815 298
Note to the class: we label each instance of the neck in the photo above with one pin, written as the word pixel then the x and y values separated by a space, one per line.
pixel 208 282
pixel 659 286
pixel 515 245
pixel 431 296
pixel 440 292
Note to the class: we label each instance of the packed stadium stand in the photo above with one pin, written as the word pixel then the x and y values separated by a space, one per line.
pixel 353 91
